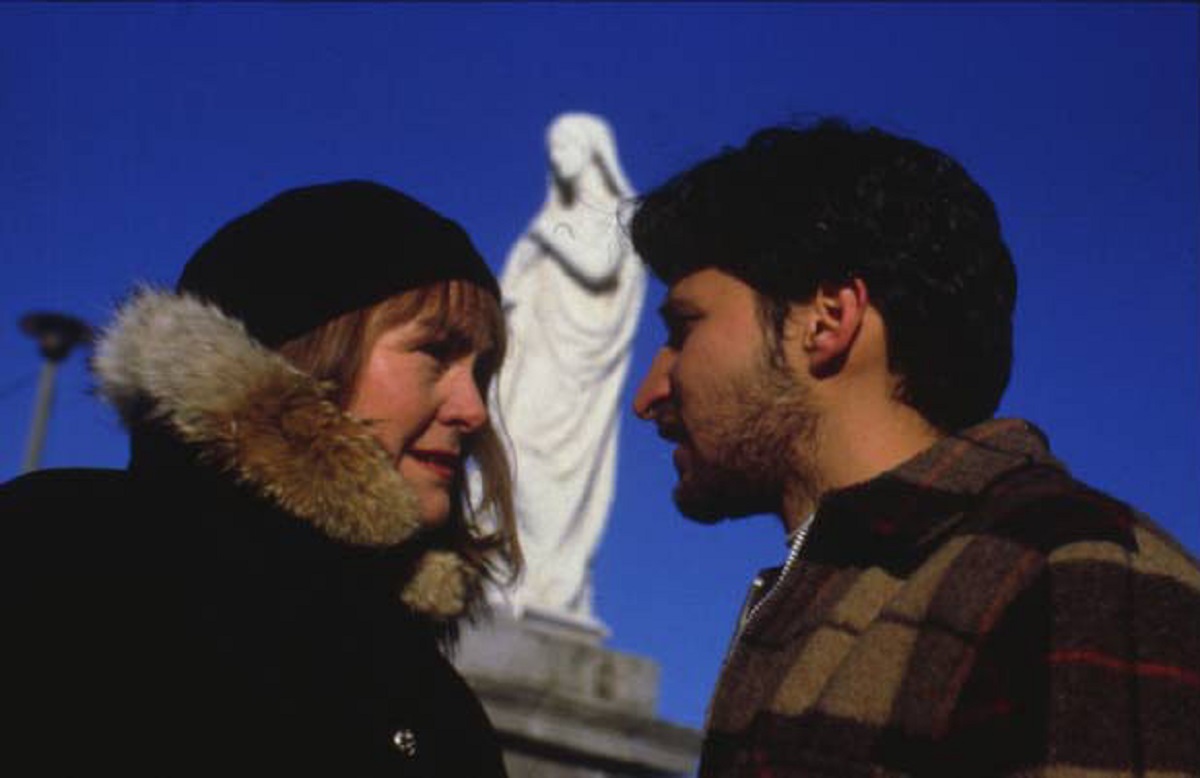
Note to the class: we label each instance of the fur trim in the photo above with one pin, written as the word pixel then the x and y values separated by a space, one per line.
pixel 442 585
pixel 178 360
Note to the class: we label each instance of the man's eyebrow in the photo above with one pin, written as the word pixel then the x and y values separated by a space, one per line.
pixel 673 308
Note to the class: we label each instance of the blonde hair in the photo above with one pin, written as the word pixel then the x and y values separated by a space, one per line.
pixel 335 352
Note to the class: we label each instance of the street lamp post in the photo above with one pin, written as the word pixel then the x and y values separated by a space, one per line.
pixel 56 335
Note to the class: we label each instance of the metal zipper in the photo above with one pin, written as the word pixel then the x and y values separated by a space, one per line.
pixel 797 544
pixel 750 612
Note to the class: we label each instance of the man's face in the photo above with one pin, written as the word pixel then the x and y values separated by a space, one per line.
pixel 743 425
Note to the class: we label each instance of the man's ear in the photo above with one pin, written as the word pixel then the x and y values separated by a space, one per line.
pixel 831 324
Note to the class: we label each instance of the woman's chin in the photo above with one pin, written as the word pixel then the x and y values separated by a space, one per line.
pixel 433 509
pixel 431 487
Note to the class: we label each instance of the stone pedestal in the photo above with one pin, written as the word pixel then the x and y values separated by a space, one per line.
pixel 566 707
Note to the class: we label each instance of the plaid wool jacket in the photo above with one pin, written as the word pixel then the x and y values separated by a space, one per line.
pixel 974 612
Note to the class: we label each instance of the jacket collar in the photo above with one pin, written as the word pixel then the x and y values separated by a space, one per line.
pixel 897 517
pixel 179 363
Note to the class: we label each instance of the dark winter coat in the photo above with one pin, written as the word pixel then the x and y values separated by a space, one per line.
pixel 251 597
pixel 975 612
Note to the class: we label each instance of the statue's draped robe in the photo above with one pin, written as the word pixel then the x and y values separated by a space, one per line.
pixel 572 309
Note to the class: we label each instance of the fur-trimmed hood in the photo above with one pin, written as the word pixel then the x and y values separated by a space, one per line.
pixel 180 362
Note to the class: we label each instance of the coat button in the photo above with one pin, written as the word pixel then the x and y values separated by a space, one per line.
pixel 405 741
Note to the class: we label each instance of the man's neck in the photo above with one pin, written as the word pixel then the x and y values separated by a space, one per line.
pixel 853 446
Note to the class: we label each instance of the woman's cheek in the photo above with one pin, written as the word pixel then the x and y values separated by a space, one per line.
pixel 388 436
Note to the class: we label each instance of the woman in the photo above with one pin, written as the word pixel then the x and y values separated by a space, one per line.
pixel 263 590
pixel 573 291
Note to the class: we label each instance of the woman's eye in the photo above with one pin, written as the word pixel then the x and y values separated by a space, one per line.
pixel 483 370
pixel 440 350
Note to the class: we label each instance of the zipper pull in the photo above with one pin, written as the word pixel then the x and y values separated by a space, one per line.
pixel 752 597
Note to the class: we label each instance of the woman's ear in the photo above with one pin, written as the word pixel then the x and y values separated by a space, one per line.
pixel 831 324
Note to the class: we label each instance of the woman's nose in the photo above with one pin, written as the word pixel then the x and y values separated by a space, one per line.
pixel 465 407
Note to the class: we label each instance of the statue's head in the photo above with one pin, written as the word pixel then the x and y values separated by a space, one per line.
pixel 576 140
pixel 568 149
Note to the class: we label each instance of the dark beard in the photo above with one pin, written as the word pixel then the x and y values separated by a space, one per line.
pixel 765 419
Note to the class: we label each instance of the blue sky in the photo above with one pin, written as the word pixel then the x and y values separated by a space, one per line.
pixel 130 132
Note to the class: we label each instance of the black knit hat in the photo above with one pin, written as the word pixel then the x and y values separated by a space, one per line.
pixel 309 255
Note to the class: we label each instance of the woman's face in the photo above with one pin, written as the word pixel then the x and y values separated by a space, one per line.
pixel 420 388
pixel 568 154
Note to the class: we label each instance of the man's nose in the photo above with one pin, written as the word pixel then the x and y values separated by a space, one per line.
pixel 656 386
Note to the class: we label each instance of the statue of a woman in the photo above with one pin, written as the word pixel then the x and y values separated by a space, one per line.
pixel 573 290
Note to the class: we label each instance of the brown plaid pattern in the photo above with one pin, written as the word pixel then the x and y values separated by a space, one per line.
pixel 975 612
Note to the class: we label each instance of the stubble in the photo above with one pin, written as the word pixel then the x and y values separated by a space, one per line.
pixel 762 430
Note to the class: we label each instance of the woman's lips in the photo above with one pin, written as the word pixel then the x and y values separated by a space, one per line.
pixel 443 463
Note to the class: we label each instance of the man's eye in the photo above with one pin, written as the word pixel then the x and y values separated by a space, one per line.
pixel 677 332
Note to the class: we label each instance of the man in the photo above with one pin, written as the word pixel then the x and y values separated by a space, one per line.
pixel 839 318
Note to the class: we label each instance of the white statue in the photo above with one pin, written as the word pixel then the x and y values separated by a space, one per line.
pixel 573 291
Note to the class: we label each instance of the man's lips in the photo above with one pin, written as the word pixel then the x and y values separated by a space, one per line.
pixel 675 434
pixel 672 433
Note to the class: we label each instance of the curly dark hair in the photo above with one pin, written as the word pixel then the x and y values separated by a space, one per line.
pixel 798 207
